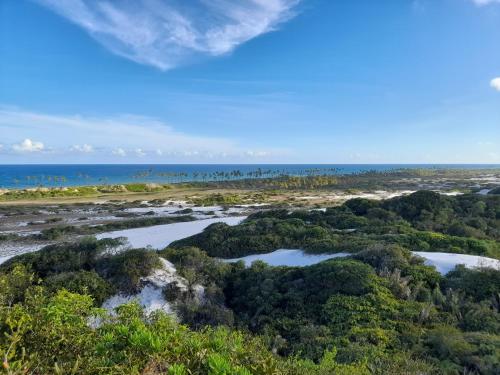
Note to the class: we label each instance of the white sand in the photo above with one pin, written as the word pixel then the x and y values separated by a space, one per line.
pixel 3 259
pixel 160 236
pixel 253 205
pixel 9 250
pixel 450 193
pixel 445 262
pixel 151 295
pixel 484 191
pixel 287 257
pixel 171 210
pixel 150 298
pixel 376 195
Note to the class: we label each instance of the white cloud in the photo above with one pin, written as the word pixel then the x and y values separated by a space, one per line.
pixel 28 146
pixel 102 139
pixel 485 2
pixel 495 83
pixel 85 148
pixel 256 153
pixel 166 34
pixel 122 131
pixel 139 152
pixel 485 143
pixel 119 152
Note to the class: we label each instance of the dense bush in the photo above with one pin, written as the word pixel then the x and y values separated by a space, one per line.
pixel 381 311
pixel 482 284
pixel 88 266
pixel 81 282
pixel 259 236
pixel 196 266
pixel 375 310
pixel 51 334
pixel 285 300
pixel 63 257
pixel 423 221
pixel 344 314
pixel 125 269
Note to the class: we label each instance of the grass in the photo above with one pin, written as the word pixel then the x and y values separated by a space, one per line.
pixel 80 191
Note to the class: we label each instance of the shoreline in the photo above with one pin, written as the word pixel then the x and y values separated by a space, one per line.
pixel 449 181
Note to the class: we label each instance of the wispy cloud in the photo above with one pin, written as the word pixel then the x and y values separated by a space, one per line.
pixel 28 146
pixel 85 148
pixel 139 152
pixel 119 152
pixel 485 2
pixel 116 136
pixel 166 34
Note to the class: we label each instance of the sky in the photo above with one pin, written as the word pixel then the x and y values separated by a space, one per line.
pixel 250 81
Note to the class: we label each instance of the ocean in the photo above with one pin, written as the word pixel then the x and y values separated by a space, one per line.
pixel 53 175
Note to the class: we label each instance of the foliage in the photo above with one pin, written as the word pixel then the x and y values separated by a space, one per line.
pixel 383 308
pixel 479 284
pixel 380 311
pixel 423 221
pixel 53 335
pixel 79 191
pixel 82 282
pixel 125 269
pixel 218 199
pixel 88 266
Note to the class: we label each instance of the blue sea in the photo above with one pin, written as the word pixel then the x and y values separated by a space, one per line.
pixel 53 175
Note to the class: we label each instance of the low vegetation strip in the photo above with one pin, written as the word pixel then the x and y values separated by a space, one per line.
pixel 80 191
pixel 61 231
pixel 369 180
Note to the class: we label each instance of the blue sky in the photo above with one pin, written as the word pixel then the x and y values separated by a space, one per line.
pixel 250 81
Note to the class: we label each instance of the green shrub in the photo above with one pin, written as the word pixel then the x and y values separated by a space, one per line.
pixel 81 282
pixel 125 269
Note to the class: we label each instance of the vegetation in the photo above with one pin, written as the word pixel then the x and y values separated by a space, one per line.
pixel 405 178
pixel 383 308
pixel 80 191
pixel 8 237
pixel 495 191
pixel 380 311
pixel 423 221
pixel 50 323
pixel 218 199
pixel 89 265
pixel 261 180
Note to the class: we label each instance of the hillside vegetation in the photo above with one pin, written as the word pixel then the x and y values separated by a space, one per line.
pixel 423 221
pixel 380 311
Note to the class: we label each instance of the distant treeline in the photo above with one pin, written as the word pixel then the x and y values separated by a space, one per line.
pixel 261 179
